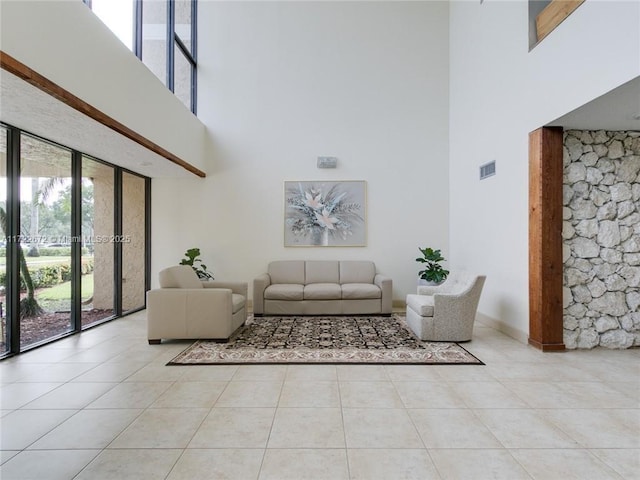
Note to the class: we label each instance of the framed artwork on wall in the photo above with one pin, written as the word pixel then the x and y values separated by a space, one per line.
pixel 325 214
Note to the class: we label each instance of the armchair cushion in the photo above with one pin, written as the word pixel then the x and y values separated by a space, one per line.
pixel 238 302
pixel 421 304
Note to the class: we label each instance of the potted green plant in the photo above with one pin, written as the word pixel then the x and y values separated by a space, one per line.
pixel 194 262
pixel 433 273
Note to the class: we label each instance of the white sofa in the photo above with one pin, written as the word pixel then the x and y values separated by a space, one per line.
pixel 322 287
pixel 446 312
pixel 186 308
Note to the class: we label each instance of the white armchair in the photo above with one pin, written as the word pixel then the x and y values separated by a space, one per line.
pixel 186 308
pixel 446 312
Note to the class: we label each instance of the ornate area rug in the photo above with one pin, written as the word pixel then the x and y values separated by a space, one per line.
pixel 337 340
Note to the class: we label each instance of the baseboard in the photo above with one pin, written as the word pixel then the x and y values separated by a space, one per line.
pixel 399 305
pixel 520 336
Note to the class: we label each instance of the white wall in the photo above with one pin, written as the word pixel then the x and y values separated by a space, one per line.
pixel 281 83
pixel 66 43
pixel 499 93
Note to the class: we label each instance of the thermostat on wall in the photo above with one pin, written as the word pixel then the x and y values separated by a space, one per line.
pixel 327 162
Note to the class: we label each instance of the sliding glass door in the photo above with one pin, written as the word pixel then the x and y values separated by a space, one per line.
pixel 44 248
pixel 133 241
pixel 98 241
pixel 73 243
pixel 4 328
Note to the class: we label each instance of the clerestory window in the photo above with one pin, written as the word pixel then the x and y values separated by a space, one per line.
pixel 162 33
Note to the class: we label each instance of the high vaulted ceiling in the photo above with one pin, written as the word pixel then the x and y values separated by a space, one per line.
pixel 616 110
pixel 25 106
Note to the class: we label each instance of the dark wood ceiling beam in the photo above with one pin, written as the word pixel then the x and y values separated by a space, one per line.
pixel 11 65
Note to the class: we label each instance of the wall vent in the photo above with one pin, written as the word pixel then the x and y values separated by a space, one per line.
pixel 487 170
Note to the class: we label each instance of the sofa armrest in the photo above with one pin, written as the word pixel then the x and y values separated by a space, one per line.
pixel 241 288
pixel 386 285
pixel 260 283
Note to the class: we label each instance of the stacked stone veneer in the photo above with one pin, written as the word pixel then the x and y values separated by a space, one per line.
pixel 601 235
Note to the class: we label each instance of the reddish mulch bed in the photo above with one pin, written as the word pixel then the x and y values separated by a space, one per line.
pixel 50 324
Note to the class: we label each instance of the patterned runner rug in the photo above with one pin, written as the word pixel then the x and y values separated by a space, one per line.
pixel 337 340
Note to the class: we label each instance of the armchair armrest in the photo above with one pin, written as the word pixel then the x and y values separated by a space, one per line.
pixel 260 283
pixel 241 288
pixel 453 305
pixel 187 312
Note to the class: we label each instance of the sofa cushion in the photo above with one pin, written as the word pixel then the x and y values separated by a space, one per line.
pixel 284 291
pixel 287 271
pixel 321 272
pixel 179 276
pixel 352 271
pixel 421 304
pixel 360 291
pixel 237 302
pixel 322 291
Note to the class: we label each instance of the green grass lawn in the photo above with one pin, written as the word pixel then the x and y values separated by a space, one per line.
pixel 63 290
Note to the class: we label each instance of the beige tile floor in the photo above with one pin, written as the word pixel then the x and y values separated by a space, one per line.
pixel 103 405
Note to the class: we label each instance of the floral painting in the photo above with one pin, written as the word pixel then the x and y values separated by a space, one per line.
pixel 325 213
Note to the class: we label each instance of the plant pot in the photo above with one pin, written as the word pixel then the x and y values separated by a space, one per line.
pixel 428 282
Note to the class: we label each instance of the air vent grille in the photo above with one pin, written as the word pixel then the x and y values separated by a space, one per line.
pixel 487 170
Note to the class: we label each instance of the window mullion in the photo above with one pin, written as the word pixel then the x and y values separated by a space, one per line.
pixel 76 240
pixel 137 28
pixel 13 231
pixel 171 35
pixel 194 52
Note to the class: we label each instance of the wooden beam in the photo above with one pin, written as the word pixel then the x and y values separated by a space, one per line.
pixel 553 15
pixel 20 70
pixel 545 239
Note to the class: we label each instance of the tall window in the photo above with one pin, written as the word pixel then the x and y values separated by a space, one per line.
pixel 133 242
pixel 4 328
pixel 118 16
pixel 98 241
pixel 44 247
pixel 167 44
pixel 162 33
pixel 184 61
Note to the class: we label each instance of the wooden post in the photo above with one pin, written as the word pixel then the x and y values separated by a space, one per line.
pixel 545 239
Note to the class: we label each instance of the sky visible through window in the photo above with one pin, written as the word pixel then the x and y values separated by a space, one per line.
pixel 118 16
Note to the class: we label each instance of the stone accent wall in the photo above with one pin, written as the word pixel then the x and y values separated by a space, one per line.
pixel 601 235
